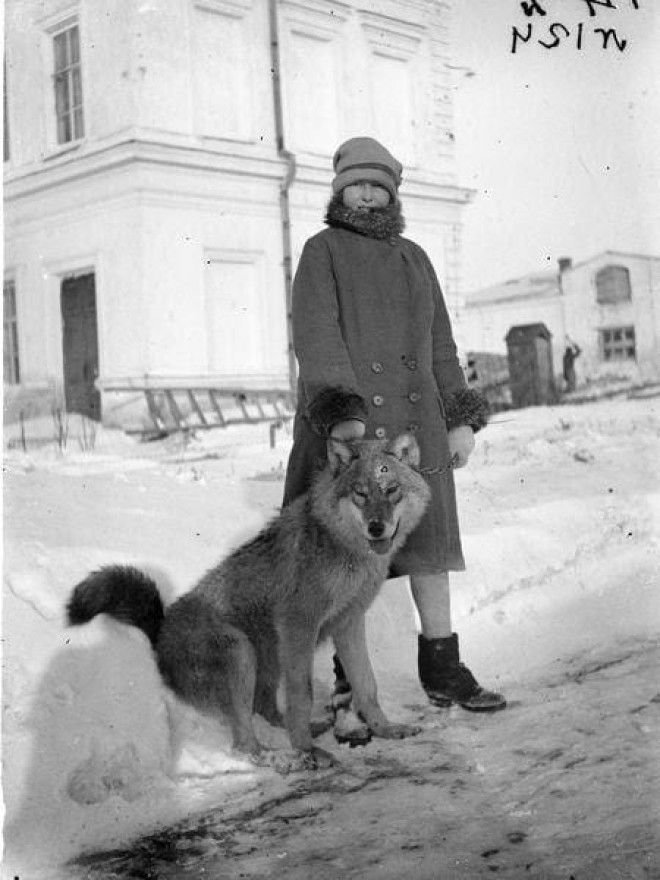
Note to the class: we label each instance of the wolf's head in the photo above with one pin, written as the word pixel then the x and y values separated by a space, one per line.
pixel 371 493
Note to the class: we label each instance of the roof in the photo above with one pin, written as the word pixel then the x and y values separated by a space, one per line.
pixel 533 285
pixel 527 331
pixel 539 284
pixel 608 253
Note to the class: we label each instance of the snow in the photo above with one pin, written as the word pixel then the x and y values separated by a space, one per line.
pixel 560 512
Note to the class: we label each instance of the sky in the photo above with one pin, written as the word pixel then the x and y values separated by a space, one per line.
pixel 561 145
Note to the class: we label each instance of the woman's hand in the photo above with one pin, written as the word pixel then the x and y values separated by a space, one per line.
pixel 350 429
pixel 461 444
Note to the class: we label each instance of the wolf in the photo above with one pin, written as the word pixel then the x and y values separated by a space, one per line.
pixel 310 574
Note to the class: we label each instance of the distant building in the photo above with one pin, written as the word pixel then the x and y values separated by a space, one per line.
pixel 165 161
pixel 609 305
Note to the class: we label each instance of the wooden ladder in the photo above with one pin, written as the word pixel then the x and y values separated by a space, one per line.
pixel 186 409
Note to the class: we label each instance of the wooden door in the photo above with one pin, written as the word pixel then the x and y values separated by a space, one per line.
pixel 80 346
pixel 523 373
pixel 546 379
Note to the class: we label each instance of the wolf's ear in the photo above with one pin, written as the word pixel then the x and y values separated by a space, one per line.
pixel 405 448
pixel 340 454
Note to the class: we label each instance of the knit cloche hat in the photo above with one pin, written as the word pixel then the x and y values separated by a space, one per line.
pixel 363 158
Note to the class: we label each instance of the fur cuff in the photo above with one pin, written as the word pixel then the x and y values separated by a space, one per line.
pixel 332 405
pixel 466 407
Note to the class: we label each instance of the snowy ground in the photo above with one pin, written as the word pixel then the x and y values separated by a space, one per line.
pixel 560 510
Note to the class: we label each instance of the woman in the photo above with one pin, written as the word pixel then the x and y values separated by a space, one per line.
pixel 377 357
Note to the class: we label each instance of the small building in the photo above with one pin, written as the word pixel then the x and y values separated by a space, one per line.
pixel 164 163
pixel 609 305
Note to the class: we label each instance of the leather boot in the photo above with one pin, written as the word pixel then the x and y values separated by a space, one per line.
pixel 446 680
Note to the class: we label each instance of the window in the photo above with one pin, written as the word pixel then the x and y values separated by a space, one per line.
pixel 10 340
pixel 68 86
pixel 222 53
pixel 5 117
pixel 618 344
pixel 234 317
pixel 613 285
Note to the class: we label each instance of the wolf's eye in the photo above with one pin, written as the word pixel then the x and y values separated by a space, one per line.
pixel 391 491
pixel 360 494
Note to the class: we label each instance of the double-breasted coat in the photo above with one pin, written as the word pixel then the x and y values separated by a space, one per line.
pixel 374 341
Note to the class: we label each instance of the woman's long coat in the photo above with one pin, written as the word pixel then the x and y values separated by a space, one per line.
pixel 373 341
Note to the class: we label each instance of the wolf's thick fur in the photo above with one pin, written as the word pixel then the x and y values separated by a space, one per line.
pixel 311 573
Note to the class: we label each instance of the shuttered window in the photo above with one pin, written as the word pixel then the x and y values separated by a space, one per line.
pixel 613 285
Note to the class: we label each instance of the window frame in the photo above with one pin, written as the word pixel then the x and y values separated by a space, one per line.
pixel 50 26
pixel 10 349
pixel 72 116
pixel 616 343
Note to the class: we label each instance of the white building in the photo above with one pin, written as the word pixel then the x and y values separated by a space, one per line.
pixel 165 161
pixel 609 305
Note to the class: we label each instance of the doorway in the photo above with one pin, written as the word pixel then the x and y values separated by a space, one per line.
pixel 80 345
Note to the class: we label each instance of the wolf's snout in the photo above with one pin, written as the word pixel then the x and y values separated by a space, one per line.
pixel 376 528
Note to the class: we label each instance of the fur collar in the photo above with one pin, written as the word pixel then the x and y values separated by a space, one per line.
pixel 381 223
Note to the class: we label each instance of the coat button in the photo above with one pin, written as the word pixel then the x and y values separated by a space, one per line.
pixel 378 400
pixel 411 364
pixel 380 432
pixel 414 428
pixel 414 397
pixel 377 367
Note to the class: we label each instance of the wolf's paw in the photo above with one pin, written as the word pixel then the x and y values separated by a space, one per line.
pixel 318 759
pixel 260 757
pixel 348 728
pixel 395 731
pixel 286 762
pixel 314 759
pixel 319 726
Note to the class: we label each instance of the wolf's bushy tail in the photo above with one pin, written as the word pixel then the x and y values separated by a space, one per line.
pixel 123 592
